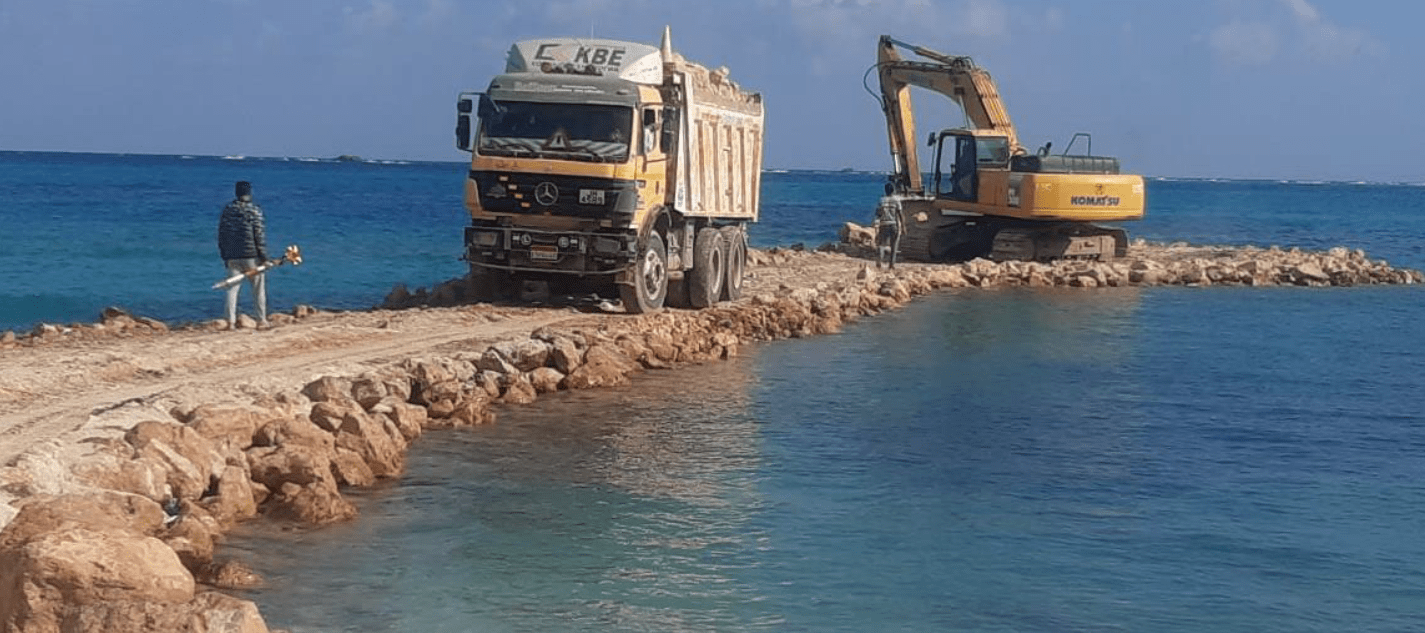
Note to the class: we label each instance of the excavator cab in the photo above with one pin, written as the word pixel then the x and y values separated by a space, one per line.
pixel 960 156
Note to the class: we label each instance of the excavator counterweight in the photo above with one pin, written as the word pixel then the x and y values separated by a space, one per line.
pixel 985 194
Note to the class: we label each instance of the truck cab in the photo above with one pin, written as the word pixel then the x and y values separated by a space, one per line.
pixel 582 173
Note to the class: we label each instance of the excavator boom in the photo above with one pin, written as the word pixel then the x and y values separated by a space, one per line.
pixel 955 76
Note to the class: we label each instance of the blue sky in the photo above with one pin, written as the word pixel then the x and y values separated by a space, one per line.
pixel 1311 89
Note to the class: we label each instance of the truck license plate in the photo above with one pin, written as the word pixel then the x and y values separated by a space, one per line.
pixel 544 253
pixel 591 196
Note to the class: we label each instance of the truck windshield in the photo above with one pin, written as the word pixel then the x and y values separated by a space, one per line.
pixel 568 131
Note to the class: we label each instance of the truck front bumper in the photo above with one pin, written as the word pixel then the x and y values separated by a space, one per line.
pixel 518 249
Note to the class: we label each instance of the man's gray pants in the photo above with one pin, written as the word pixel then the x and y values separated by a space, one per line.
pixel 257 282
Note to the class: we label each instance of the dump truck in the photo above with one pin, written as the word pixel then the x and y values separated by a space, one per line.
pixel 987 196
pixel 611 167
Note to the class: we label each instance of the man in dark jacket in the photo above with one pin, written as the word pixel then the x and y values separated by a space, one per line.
pixel 242 242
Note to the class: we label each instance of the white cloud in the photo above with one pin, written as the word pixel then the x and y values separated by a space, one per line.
pixel 831 24
pixel 1293 27
pixel 438 12
pixel 1303 10
pixel 1248 43
pixel 985 18
pixel 377 17
pixel 592 16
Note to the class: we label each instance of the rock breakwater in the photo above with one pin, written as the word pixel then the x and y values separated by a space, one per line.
pixel 127 536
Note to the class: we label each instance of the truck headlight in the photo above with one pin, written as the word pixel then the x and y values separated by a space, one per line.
pixel 487 238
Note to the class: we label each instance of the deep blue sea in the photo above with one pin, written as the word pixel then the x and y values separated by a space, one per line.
pixel 1158 459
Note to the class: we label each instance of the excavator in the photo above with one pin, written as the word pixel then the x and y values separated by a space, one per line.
pixel 986 195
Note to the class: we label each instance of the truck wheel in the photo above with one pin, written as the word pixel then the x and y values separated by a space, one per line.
pixel 709 258
pixel 736 266
pixel 650 279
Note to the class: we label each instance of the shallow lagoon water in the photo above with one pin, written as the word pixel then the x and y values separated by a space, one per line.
pixel 980 461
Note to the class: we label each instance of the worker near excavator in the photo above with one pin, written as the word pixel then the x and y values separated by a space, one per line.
pixel 242 243
pixel 889 227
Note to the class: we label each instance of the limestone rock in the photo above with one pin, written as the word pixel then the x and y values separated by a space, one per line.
pixel 367 437
pixel 524 355
pixel 204 454
pixel 489 381
pixel 209 612
pixel 227 424
pixel 328 388
pixel 565 354
pixel 317 503
pixel 104 511
pixel 228 574
pixel 472 410
pixel 545 379
pixel 492 360
pixel 1308 273
pixel 368 390
pixel 519 390
pixel 297 464
pixel 300 430
pixel 426 373
pixel 144 477
pixel 329 415
pixel 42 578
pixel 604 366
pixel 410 419
pixel 185 478
pixel 350 469
pixel 235 499
pixel 191 540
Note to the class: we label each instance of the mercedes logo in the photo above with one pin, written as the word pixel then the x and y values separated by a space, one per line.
pixel 546 193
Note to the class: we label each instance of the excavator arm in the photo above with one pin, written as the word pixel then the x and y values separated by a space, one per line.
pixel 956 77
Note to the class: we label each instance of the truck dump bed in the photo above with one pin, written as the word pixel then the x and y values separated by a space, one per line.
pixel 723 130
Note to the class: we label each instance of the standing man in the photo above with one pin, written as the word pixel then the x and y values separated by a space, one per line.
pixel 242 242
pixel 888 228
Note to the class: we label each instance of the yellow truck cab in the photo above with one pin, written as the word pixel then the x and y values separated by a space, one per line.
pixel 599 164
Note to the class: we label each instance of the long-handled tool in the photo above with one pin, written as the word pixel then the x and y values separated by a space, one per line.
pixel 292 256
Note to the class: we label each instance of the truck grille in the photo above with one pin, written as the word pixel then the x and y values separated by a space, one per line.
pixel 575 196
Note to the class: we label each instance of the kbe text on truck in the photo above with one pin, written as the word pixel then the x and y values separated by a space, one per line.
pixel 600 165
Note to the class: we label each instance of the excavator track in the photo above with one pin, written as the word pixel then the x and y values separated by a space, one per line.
pixel 962 238
pixel 1058 241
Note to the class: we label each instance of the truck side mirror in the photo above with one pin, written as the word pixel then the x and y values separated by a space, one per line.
pixel 462 123
pixel 462 132
pixel 931 141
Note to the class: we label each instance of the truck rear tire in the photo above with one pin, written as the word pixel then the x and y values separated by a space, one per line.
pixel 736 267
pixel 709 258
pixel 649 287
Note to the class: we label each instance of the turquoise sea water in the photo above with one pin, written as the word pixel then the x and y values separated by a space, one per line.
pixel 1160 459
pixel 85 231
